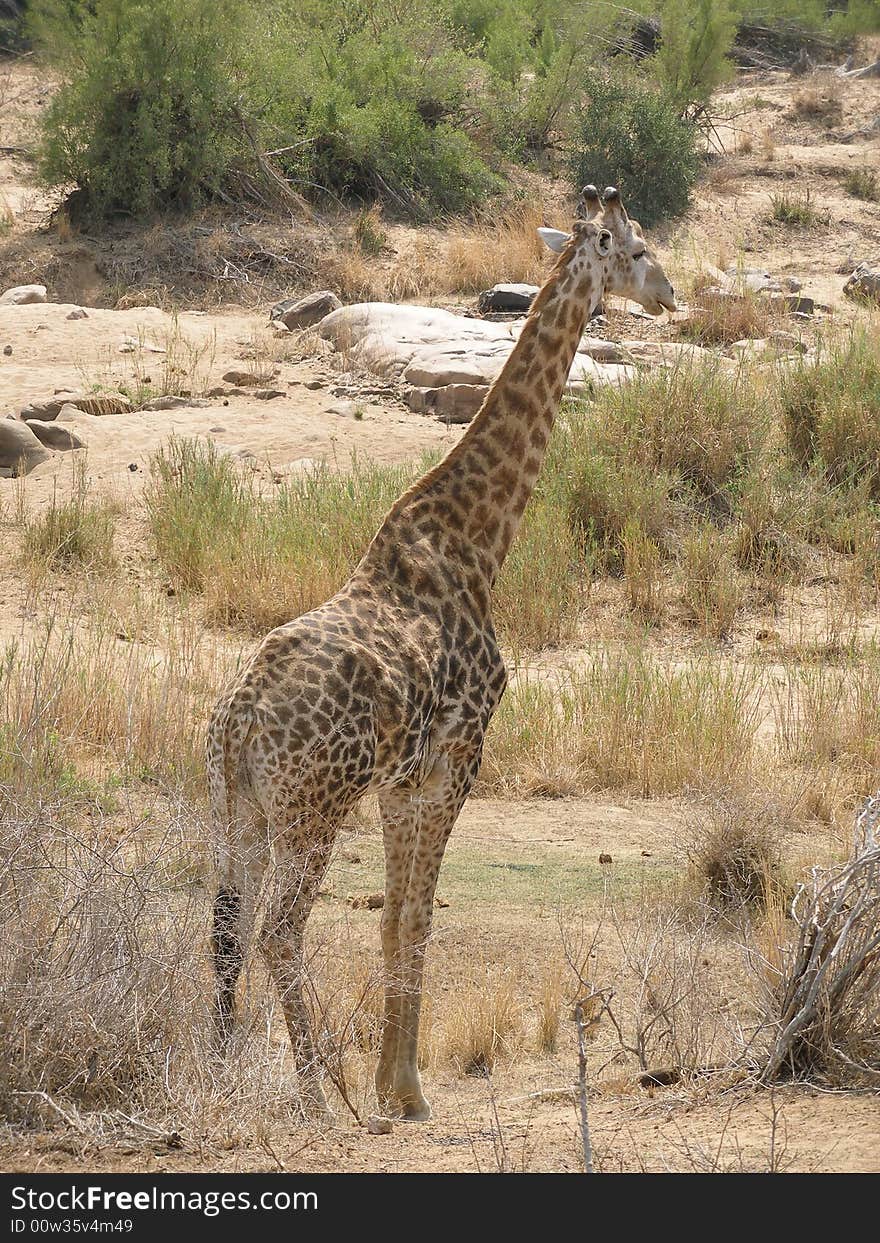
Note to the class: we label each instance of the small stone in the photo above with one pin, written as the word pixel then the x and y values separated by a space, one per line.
pixel 173 402
pixel 23 295
pixel 245 379
pixel 78 313
pixel 377 1125
pixel 344 409
pixel 368 902
pixel 794 303
pixel 605 859
pixel 7 350
pixel 267 394
pixel 517 297
pixel 130 344
pixel 314 385
pixel 864 283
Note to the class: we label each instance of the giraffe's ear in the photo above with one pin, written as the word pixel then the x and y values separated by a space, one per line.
pixel 555 239
pixel 604 243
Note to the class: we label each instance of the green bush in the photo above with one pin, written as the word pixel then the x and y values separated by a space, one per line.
pixel 362 107
pixel 696 37
pixel 631 135
pixel 147 117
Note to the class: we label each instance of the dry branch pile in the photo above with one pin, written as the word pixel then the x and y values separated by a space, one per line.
pixel 825 996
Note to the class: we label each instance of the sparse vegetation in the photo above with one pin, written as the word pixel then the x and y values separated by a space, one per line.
pixel 72 533
pixel 862 183
pixel 797 210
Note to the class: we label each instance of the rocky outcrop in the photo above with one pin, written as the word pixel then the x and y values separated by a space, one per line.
pixel 864 283
pixel 431 350
pixel 90 403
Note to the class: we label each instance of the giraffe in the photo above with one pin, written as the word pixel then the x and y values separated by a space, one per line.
pixel 390 685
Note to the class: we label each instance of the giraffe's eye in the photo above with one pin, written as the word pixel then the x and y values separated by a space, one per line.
pixel 640 255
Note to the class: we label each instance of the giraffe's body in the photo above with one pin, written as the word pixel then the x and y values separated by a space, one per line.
pixel 391 684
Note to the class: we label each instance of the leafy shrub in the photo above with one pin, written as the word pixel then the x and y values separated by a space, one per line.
pixel 360 106
pixel 631 135
pixel 692 58
pixel 147 117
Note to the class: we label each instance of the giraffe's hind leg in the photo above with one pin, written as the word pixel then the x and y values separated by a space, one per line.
pixel 302 853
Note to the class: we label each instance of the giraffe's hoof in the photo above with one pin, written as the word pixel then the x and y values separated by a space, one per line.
pixel 412 1109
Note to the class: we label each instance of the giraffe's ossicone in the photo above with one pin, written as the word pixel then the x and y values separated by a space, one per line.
pixel 390 685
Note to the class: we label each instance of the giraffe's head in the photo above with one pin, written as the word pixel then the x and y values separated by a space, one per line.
pixel 630 268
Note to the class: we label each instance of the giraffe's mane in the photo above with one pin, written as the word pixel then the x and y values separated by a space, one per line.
pixel 421 485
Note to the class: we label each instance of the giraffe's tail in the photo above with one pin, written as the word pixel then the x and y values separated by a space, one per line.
pixel 225 744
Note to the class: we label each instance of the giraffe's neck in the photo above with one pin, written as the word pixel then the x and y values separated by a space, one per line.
pixel 475 498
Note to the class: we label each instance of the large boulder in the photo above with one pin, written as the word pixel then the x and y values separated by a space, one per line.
pixel 20 450
pixel 431 349
pixel 22 295
pixel 305 312
pixel 385 339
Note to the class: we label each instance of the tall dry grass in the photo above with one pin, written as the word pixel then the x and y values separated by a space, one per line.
pixel 626 722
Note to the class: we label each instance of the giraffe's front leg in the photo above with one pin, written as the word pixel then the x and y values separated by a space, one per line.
pixel 431 817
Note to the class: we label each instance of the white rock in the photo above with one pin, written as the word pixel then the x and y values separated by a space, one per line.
pixel 22 295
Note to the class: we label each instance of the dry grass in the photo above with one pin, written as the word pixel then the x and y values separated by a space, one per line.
pixel 464 261
pixel 508 245
pixel 733 847
pixel 484 1023
pixel 862 183
pixel 822 102
pixel 551 999
pixel 720 318
pixel 624 722
pixel 80 703
pixel 642 572
pixel 797 210
pixel 711 594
